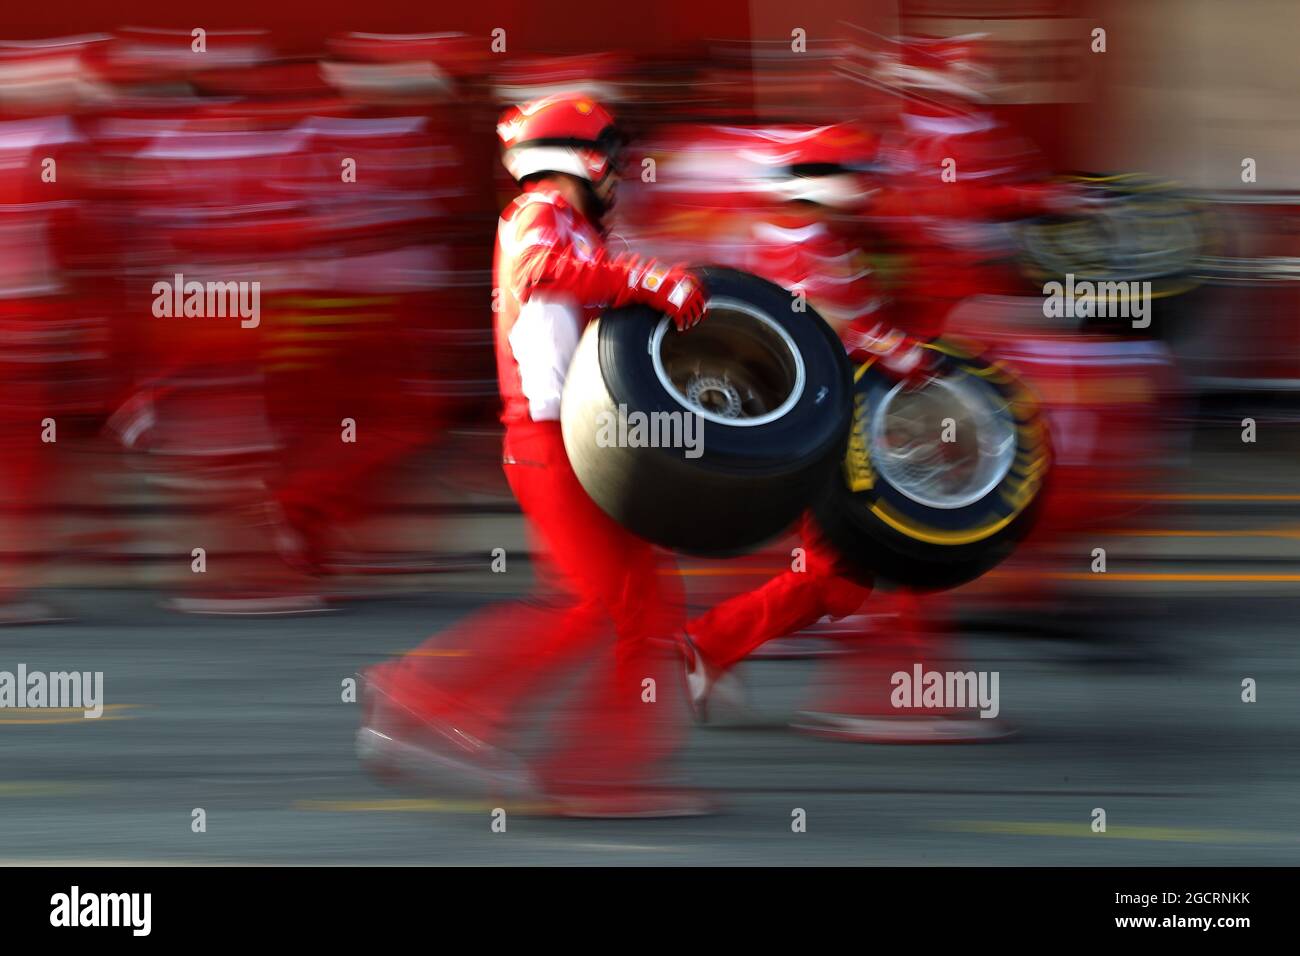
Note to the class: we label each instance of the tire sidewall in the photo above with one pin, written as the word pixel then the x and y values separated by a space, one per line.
pixel 881 532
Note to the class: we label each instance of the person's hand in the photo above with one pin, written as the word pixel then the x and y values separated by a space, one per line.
pixel 675 291
pixel 914 366
pixel 908 362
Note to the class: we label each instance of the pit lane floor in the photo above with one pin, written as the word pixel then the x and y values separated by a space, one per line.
pixel 243 718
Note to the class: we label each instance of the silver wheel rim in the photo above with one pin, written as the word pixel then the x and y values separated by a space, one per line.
pixel 908 450
pixel 738 368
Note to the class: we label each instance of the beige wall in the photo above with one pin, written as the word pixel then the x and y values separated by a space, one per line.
pixel 1188 88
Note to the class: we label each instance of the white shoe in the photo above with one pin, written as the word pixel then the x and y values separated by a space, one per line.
pixel 903 729
pixel 435 755
pixel 710 688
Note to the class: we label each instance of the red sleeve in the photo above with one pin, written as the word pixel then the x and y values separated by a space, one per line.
pixel 542 257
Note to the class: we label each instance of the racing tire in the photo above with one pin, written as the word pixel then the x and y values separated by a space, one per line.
pixel 741 418
pixel 939 483
pixel 1143 231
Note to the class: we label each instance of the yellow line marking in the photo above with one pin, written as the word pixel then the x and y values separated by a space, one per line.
pixel 434 652
pixel 43 788
pixel 1156 576
pixel 62 715
pixel 1054 575
pixel 1180 533
pixel 1157 834
pixel 24 721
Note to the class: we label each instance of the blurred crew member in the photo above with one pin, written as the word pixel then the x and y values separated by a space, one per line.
pixel 951 178
pixel 553 275
pixel 818 171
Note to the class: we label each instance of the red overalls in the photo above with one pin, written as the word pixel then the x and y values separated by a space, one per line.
pixel 604 578
pixel 944 231
pixel 800 253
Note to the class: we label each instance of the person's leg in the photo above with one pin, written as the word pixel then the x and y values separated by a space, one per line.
pixel 27 462
pixel 787 603
pixel 511 650
pixel 860 681
pixel 856 698
pixel 23 470
pixel 475 673
pixel 324 483
pixel 629 715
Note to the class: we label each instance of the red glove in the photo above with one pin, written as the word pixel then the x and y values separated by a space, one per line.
pixel 674 291
pixel 901 357
pixel 544 261
pixel 619 281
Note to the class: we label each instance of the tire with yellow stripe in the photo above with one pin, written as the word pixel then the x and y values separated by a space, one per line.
pixel 887 530
pixel 1142 231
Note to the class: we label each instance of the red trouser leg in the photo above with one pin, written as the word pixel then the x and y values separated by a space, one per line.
pixel 610 580
pixel 861 681
pixel 787 603
pixel 323 481
pixel 22 474
pixel 26 470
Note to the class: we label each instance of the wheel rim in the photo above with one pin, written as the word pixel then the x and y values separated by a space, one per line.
pixel 739 367
pixel 909 451
pixel 1128 240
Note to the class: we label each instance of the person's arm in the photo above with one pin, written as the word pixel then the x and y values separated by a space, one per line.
pixel 898 354
pixel 545 264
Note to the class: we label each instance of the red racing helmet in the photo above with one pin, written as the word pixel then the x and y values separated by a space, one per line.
pixel 563 133
pixel 823 165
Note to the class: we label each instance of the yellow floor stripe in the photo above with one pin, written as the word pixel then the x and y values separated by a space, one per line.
pixel 1174 578
pixel 1179 533
pixel 62 715
pixel 1116 832
pixel 42 788
pixel 1220 578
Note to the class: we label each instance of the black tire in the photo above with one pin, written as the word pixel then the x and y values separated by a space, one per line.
pixel 771 422
pixel 1144 231
pixel 931 540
